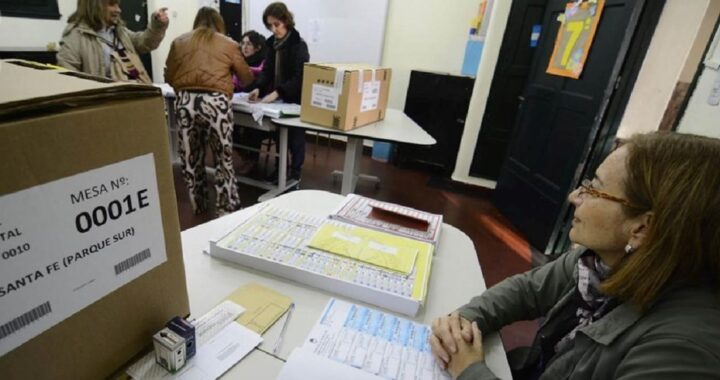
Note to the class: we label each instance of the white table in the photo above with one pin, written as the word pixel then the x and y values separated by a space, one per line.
pixel 396 127
pixel 455 278
pixel 242 118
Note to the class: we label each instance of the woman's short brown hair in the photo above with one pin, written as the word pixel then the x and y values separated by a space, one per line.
pixel 280 11
pixel 91 12
pixel 675 176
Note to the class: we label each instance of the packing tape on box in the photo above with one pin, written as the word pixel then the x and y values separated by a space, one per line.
pixel 339 78
pixel 361 78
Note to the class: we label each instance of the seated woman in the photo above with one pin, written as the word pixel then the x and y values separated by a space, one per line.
pixel 199 67
pixel 252 46
pixel 638 299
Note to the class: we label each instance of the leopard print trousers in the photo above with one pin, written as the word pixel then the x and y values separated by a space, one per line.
pixel 207 119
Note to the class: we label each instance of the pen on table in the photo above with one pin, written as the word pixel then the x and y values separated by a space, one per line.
pixel 284 328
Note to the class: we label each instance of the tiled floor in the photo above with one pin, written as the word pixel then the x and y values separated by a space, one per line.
pixel 502 251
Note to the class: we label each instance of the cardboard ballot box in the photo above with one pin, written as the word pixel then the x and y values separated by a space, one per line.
pixel 344 96
pixel 90 256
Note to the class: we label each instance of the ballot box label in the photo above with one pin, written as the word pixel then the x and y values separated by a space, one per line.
pixel 68 243
pixel 370 96
pixel 325 97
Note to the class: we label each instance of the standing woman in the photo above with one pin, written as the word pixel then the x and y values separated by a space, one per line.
pixel 97 42
pixel 199 67
pixel 281 77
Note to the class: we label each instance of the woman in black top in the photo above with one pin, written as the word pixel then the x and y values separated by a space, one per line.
pixel 281 77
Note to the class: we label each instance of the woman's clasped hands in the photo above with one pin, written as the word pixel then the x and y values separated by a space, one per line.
pixel 456 343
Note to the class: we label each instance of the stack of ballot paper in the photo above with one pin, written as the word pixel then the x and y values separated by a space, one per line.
pixel 272 110
pixel 388 271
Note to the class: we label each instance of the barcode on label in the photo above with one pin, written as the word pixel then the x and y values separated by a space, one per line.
pixel 132 261
pixel 25 319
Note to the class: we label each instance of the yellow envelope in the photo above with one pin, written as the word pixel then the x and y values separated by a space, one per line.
pixel 392 252
pixel 263 306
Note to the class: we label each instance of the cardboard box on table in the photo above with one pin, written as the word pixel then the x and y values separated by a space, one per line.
pixel 54 128
pixel 344 96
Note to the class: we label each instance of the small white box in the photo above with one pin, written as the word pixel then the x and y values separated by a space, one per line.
pixel 169 349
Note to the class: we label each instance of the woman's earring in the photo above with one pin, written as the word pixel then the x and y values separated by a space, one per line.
pixel 629 249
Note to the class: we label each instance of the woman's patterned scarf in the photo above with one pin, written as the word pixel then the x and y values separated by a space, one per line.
pixel 591 272
pixel 279 47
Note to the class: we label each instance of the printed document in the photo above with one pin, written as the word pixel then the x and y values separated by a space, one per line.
pixel 377 343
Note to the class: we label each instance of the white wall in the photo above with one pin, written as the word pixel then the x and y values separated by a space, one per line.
pixel 18 32
pixel 700 117
pixel 663 65
pixel 430 35
pixel 182 14
pixel 426 35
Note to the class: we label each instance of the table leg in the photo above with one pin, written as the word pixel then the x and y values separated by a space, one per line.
pixel 172 130
pixel 353 153
pixel 282 165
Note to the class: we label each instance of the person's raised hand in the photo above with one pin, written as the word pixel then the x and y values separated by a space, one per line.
pixel 445 333
pixel 161 15
pixel 468 353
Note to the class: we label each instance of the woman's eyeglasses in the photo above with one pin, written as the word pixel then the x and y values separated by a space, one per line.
pixel 586 187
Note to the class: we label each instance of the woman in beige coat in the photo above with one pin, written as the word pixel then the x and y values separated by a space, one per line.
pixel 97 42
pixel 200 67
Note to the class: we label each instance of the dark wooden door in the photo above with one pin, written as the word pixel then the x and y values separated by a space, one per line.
pixel 558 120
pixel 135 15
pixel 509 80
pixel 231 11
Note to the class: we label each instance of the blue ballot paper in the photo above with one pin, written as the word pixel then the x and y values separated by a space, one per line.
pixel 354 341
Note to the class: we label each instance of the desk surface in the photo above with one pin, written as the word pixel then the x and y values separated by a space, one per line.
pixel 455 278
pixel 396 127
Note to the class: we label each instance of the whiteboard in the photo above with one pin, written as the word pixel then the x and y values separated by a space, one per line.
pixel 336 31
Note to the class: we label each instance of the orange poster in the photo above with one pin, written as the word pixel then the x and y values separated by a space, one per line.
pixel 575 37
